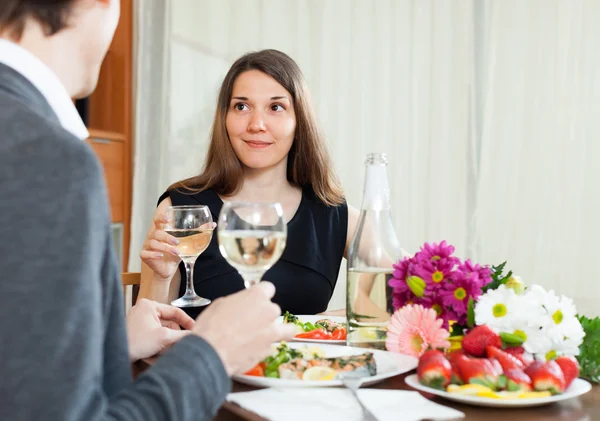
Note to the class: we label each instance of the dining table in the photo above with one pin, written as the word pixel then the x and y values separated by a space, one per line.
pixel 582 408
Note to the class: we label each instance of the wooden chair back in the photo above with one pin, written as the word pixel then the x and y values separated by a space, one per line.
pixel 131 287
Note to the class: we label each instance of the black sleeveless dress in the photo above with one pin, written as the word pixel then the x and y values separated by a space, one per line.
pixel 304 276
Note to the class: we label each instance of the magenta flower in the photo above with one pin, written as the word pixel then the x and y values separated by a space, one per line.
pixel 443 312
pixel 480 274
pixel 408 287
pixel 456 294
pixel 434 277
pixel 439 254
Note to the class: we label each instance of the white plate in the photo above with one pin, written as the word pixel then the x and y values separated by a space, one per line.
pixel 577 388
pixel 313 318
pixel 389 364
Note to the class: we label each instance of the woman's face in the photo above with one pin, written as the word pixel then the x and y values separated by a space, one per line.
pixel 260 120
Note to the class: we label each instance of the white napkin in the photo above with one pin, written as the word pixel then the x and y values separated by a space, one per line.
pixel 299 404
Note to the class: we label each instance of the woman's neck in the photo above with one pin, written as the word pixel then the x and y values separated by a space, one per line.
pixel 265 184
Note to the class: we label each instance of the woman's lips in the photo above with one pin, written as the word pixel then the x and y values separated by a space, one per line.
pixel 257 144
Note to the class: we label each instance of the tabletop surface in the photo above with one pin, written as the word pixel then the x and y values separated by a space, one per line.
pixel 583 408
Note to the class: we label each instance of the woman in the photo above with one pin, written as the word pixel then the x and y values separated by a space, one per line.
pixel 265 146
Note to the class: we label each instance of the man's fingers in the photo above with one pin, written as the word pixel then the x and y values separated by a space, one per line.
pixel 172 336
pixel 276 332
pixel 174 314
pixel 267 288
pixel 170 324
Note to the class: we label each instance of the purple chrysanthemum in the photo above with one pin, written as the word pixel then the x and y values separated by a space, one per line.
pixel 480 274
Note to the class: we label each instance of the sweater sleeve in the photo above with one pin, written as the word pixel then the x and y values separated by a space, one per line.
pixel 63 347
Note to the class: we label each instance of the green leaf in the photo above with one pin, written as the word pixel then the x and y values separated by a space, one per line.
pixel 471 313
pixel 497 277
pixel 589 350
pixel 511 339
pixel 458 330
pixel 502 380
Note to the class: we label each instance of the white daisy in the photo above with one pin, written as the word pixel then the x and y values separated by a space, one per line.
pixel 569 338
pixel 498 309
pixel 536 340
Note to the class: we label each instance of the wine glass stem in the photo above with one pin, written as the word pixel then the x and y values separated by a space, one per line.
pixel 189 281
pixel 251 279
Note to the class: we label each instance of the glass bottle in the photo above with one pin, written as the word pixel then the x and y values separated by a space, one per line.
pixel 372 252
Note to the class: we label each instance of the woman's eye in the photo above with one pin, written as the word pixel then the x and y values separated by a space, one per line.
pixel 277 107
pixel 240 106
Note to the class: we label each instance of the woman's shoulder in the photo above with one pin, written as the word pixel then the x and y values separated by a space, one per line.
pixel 312 197
pixel 189 196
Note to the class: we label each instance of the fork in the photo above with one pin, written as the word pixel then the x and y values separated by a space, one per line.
pixel 353 381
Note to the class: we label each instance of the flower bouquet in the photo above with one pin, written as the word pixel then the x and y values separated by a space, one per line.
pixel 439 298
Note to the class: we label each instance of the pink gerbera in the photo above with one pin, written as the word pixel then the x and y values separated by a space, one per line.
pixel 413 329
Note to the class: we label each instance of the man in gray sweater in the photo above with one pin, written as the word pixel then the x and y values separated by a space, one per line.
pixel 64 351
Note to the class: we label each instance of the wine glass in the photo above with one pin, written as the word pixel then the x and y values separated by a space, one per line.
pixel 193 226
pixel 252 237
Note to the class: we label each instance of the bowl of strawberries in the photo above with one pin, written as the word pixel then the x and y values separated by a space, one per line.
pixel 488 372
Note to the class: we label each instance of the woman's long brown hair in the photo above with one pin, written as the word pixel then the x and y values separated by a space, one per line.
pixel 308 161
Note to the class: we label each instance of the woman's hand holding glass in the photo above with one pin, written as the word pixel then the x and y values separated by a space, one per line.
pixel 183 233
pixel 159 251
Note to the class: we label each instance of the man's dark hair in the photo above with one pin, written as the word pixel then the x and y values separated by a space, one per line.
pixel 52 14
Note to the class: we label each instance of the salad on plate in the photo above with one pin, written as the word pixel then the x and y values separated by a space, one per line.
pixel 321 329
pixel 310 363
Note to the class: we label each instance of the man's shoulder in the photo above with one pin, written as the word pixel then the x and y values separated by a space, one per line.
pixel 30 138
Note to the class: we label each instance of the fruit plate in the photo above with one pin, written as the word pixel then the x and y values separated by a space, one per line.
pixel 313 318
pixel 577 388
pixel 389 364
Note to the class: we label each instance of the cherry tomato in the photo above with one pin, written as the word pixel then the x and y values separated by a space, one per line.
pixel 339 334
pixel 257 370
pixel 314 334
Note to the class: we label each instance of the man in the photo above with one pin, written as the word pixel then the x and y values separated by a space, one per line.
pixel 63 341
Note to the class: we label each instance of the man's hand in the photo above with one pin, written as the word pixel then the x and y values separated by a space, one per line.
pixel 152 327
pixel 242 327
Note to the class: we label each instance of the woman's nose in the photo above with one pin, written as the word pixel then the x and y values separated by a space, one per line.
pixel 257 122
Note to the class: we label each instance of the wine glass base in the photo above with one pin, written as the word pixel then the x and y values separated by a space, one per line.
pixel 190 302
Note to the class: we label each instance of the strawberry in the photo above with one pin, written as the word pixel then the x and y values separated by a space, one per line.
pixel 453 358
pixel 519 353
pixel 507 361
pixel 479 371
pixel 570 368
pixel 478 339
pixel 428 354
pixel 549 377
pixel 515 380
pixel 532 368
pixel 434 370
pixel 496 365
pixel 515 350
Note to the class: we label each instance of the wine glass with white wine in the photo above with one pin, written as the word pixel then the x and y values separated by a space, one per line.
pixel 252 237
pixel 193 227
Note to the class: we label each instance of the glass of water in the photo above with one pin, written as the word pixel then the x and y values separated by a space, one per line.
pixel 193 226
pixel 252 237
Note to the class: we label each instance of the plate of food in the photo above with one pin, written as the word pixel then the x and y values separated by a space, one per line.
pixel 318 329
pixel 303 365
pixel 498 379
pixel 502 399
